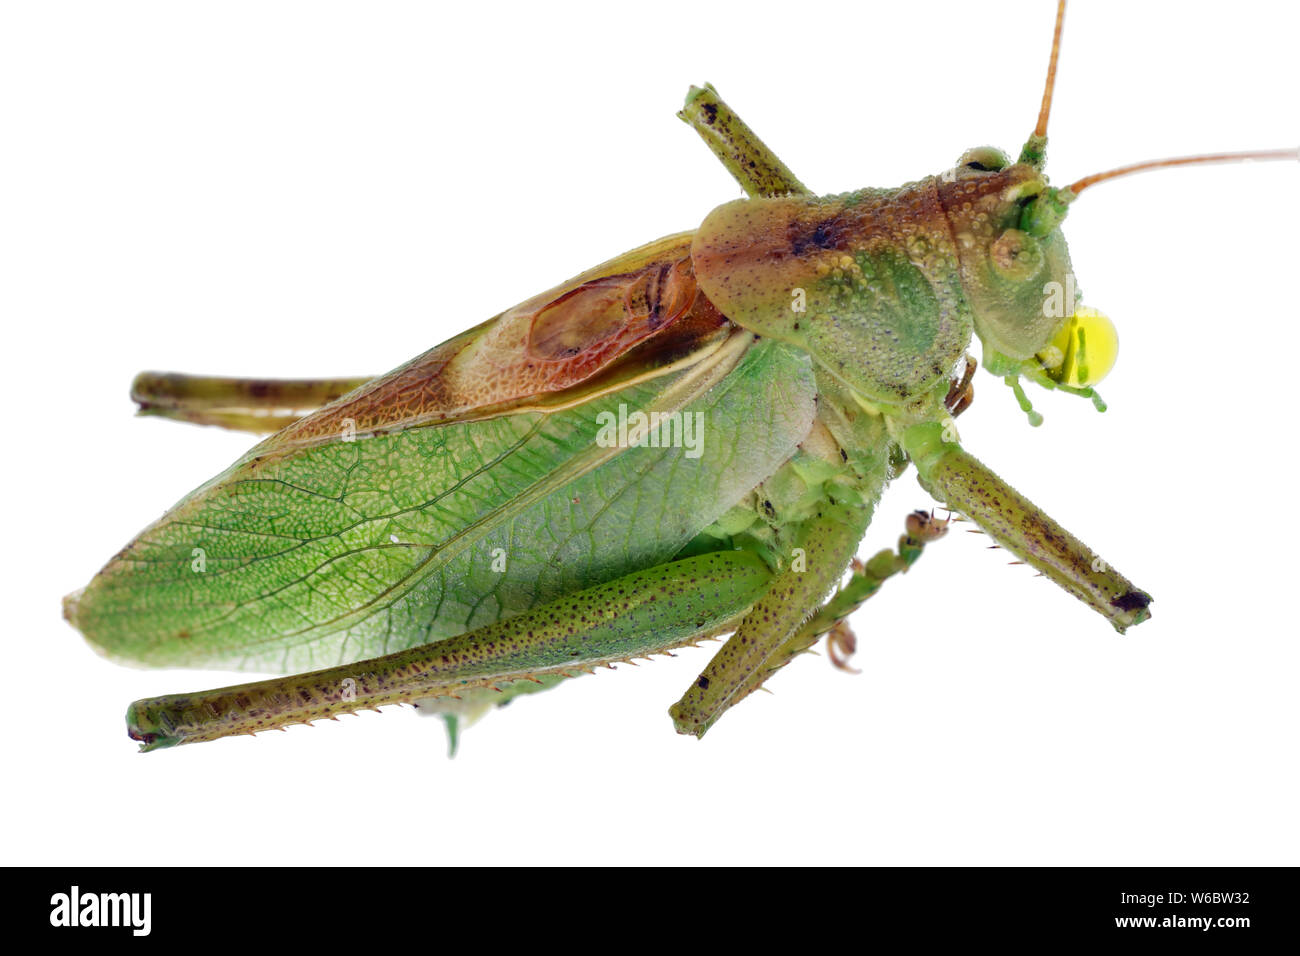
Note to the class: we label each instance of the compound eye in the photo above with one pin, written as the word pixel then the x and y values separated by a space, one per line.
pixel 984 159
pixel 1016 256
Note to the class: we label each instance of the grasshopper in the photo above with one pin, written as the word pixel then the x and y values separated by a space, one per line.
pixel 685 442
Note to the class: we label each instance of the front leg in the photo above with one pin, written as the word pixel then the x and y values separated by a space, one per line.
pixel 969 487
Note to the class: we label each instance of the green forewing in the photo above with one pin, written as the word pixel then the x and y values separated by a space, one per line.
pixel 350 549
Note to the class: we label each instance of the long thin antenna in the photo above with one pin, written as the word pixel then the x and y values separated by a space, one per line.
pixel 1263 154
pixel 1045 110
pixel 1034 152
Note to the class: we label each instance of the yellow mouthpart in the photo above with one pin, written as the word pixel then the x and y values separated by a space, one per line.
pixel 1083 350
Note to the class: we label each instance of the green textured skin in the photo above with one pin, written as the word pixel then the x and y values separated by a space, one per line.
pixel 302 570
pixel 885 287
pixel 884 309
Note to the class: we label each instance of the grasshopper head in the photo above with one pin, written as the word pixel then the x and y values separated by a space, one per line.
pixel 1015 271
pixel 1014 263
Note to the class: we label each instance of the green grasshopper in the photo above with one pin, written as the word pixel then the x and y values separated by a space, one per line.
pixel 684 442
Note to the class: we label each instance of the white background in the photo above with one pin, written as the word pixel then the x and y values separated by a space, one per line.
pixel 317 189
